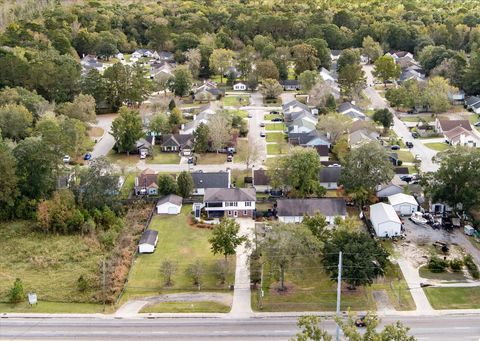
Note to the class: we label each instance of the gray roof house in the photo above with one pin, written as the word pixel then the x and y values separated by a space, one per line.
pixel 176 142
pixel 290 84
pixel 295 106
pixel 311 139
pixel 232 202
pixel 351 110
pixel 204 180
pixel 330 176
pixel 293 210
pixel 471 101
pixel 148 241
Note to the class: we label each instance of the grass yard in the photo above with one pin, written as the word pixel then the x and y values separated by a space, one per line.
pixel 238 176
pixel 211 158
pixel 95 132
pixel 241 113
pixel 183 244
pixel 123 159
pixel 238 100
pixel 50 265
pixel 128 185
pixel 438 146
pixel 272 102
pixel 454 298
pixel 186 307
pixel 405 155
pixel 55 308
pixel 276 149
pixel 164 158
pixel 443 276
pixel 269 117
pixel 275 126
pixel 275 137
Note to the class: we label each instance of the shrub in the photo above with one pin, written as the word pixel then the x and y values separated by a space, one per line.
pixel 471 266
pixel 195 272
pixel 16 293
pixel 456 265
pixel 436 264
pixel 82 284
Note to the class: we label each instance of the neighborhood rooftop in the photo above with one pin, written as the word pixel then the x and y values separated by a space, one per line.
pixel 300 207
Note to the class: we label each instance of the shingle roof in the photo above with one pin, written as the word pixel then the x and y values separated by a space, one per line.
pixel 178 140
pixel 447 125
pixel 210 180
pixel 472 100
pixel 299 207
pixel 322 150
pixel 260 177
pixel 295 103
pixel 147 178
pixel 346 106
pixel 289 82
pixel 230 194
pixel 149 237
pixel 457 131
pixel 330 174
pixel 171 198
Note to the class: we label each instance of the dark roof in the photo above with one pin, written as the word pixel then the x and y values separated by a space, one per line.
pixel 211 180
pixel 347 106
pixel 304 138
pixel 293 82
pixel 330 174
pixel 322 150
pixel 230 194
pixel 177 140
pixel 300 207
pixel 472 100
pixel 171 198
pixel 401 170
pixel 450 124
pixel 260 177
pixel 329 163
pixel 149 237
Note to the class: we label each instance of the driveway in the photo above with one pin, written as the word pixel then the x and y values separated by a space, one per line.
pixel 287 97
pixel 105 143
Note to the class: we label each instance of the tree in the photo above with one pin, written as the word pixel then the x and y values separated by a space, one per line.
pixel 271 88
pixel 471 82
pixel 372 49
pixel 182 81
pixel 159 124
pixel 341 149
pixel 305 57
pixel 435 94
pixel 185 184
pixel 348 57
pixel 432 56
pixel 307 80
pixel 245 59
pixel 175 119
pixel 59 214
pixel 310 330
pixel 95 85
pixel 351 79
pixel 8 178
pixel 34 103
pixel 220 60
pixel 126 130
pixel 195 272
pixel 166 184
pixel 297 172
pixel 201 136
pixel 456 182
pixel 284 245
pixel 366 167
pixel 386 69
pixel 194 58
pixel 168 269
pixel 16 293
pixel 248 153
pixel 82 108
pixel 266 69
pixel 219 131
pixel 333 125
pixel 116 85
pixel 163 82
pixel 318 225
pixel 320 93
pixel 323 52
pixel 15 121
pixel 384 117
pixel 225 238
pixel 364 259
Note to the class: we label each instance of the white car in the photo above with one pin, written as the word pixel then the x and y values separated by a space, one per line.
pixel 262 134
pixel 143 155
pixel 66 159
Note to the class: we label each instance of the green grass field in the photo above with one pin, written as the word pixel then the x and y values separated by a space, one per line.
pixel 186 307
pixel 123 159
pixel 49 265
pixel 454 298
pixel 275 137
pixel 438 146
pixel 269 117
pixel 241 113
pixel 276 149
pixel 211 158
pixel 405 155
pixel 54 308
pixel 275 126
pixel 238 100
pixel 444 276
pixel 183 244
pixel 128 185
pixel 164 158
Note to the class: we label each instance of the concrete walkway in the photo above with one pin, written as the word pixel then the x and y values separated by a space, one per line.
pixel 241 306
pixel 413 280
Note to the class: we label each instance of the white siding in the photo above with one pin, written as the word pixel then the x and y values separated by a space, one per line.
pixel 168 208
pixel 299 219
pixel 145 248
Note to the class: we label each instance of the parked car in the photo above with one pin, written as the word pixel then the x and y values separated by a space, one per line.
pixel 409 144
pixel 273 112
pixel 406 178
pixel 415 135
pixel 229 158
pixel 477 124
pixel 395 147
pixel 87 157
pixel 277 119
pixel 262 134
pixel 360 321
pixel 250 115
pixel 417 157
pixel 262 124
pixel 66 159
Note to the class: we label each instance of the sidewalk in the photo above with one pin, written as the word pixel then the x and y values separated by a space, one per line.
pixel 413 281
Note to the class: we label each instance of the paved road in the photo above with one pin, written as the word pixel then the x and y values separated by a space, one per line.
pixel 107 142
pixel 378 102
pixel 438 328
pixel 257 111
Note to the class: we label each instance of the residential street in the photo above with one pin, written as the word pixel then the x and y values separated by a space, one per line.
pixel 438 328
pixel 106 143
pixel 257 112
pixel 378 102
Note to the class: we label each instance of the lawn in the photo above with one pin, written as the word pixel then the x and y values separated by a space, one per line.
pixel 275 137
pixel 49 265
pixel 54 308
pixel 443 276
pixel 183 244
pixel 438 146
pixel 405 155
pixel 275 126
pixel 269 117
pixel 164 158
pixel 275 149
pixel 272 102
pixel 241 113
pixel 186 307
pixel 211 158
pixel 128 185
pixel 237 100
pixel 238 176
pixel 123 159
pixel 424 118
pixel 454 298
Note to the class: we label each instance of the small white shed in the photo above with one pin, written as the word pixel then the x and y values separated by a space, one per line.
pixel 403 204
pixel 169 204
pixel 148 242
pixel 385 220
pixel 239 87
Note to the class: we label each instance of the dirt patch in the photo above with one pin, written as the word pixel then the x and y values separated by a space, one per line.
pixel 382 300
pixel 289 289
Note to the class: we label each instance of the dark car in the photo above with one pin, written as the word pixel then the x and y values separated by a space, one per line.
pixel 277 119
pixel 395 147
pixel 274 112
pixel 415 135
pixel 87 157
pixel 360 321
pixel 409 144
pixel 406 178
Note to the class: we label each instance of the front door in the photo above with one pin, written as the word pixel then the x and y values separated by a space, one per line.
pixel 235 214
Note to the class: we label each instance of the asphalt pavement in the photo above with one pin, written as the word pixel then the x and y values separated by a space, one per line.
pixel 106 142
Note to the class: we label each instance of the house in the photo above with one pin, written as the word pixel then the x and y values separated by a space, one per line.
pixel 169 204
pixel 407 75
pixel 148 241
pixel 261 183
pixel 476 108
pixel 457 97
pixel 231 202
pixel 203 116
pixel 146 183
pixel 386 190
pixel 177 142
pixel 136 55
pixel 301 125
pixel 460 136
pixel 120 56
pixel 403 204
pixel 323 151
pixel 330 177
pixel 161 70
pixel 240 87
pixel 208 91
pixel 311 139
pixel 335 54
pixel 295 107
pixel 90 62
pixel 442 126
pixel 293 210
pixel 166 56
pixel 471 101
pixel 327 75
pixel 403 58
pixel 145 145
pixel 385 220
pixel 204 180
pixel 290 84
pixel 351 110
pixel 362 132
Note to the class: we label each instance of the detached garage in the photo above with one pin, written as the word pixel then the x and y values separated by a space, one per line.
pixel 403 204
pixel 148 242
pixel 385 220
pixel 169 204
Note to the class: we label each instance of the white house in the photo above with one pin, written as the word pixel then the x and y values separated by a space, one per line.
pixel 403 203
pixel 169 204
pixel 148 242
pixel 293 210
pixel 385 220
pixel 240 87
pixel 231 202
pixel 136 55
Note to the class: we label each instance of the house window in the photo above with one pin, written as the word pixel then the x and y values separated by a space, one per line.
pixel 244 212
pixel 229 213
pixel 232 203
pixel 248 203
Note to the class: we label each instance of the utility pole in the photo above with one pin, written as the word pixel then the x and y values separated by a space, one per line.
pixel 260 294
pixel 103 282
pixel 339 291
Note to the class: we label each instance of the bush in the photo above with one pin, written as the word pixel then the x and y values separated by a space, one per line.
pixel 436 264
pixel 471 266
pixel 456 265
pixel 82 284
pixel 16 293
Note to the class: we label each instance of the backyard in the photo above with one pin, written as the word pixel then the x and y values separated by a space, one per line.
pixel 122 159
pixel 277 148
pixel 438 146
